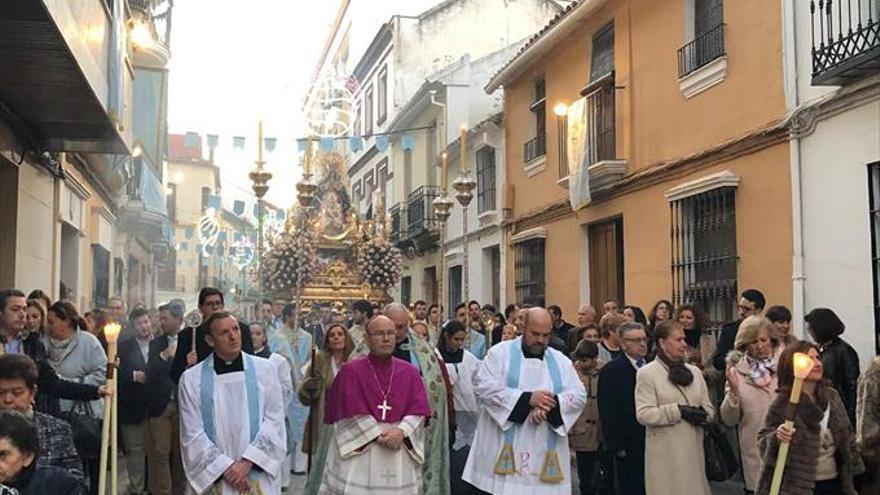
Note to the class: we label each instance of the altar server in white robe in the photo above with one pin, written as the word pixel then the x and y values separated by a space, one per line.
pixel 377 406
pixel 529 397
pixel 232 432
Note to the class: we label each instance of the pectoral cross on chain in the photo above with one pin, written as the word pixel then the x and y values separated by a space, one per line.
pixel 384 407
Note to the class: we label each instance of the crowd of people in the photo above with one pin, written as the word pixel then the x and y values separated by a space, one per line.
pixel 396 399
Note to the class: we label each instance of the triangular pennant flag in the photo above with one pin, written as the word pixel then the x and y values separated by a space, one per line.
pixel 355 143
pixel 407 142
pixel 327 144
pixel 213 140
pixel 301 145
pixel 214 201
pixel 238 207
pixel 279 214
pixel 236 237
pixel 270 144
pixel 382 142
pixel 191 140
pixel 238 142
pixel 188 232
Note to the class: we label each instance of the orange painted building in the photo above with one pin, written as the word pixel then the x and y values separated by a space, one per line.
pixel 686 149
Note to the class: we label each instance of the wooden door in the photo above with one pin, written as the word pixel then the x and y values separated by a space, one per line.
pixel 606 262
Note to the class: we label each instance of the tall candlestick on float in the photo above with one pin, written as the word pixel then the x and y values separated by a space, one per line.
pixel 803 364
pixel 464 187
pixel 442 206
pixel 111 333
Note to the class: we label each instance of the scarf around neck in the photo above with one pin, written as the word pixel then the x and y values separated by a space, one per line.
pixel 679 373
pixel 761 370
pixel 57 350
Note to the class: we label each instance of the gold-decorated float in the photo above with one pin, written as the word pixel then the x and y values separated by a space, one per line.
pixel 327 254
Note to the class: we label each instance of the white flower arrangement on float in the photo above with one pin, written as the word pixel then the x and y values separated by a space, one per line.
pixel 380 263
pixel 290 259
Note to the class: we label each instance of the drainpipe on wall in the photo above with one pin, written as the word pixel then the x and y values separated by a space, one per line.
pixel 792 101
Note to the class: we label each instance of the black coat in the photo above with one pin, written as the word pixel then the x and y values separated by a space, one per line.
pixel 133 399
pixel 203 350
pixel 50 387
pixel 840 365
pixel 159 384
pixel 617 407
pixel 725 344
pixel 46 480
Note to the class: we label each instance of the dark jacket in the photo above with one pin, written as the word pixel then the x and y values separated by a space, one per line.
pixel 133 400
pixel 203 350
pixel 50 386
pixel 617 407
pixel 840 365
pixel 44 480
pixel 799 477
pixel 563 331
pixel 725 344
pixel 159 384
pixel 56 445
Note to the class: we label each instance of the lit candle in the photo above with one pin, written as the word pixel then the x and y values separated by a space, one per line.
pixel 260 143
pixel 464 131
pixel 803 364
pixel 111 333
pixel 443 171
pixel 308 169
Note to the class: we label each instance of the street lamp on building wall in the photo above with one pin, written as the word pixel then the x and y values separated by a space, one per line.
pixel 260 179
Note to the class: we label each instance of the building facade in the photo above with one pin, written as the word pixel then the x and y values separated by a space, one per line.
pixel 65 129
pixel 832 63
pixel 683 205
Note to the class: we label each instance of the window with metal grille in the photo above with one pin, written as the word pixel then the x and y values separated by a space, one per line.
pixel 874 205
pixel 537 146
pixel 405 290
pixel 171 203
pixel 454 289
pixel 101 275
pixel 368 111
pixel 485 179
pixel 704 256
pixel 383 96
pixel 529 272
pixel 602 55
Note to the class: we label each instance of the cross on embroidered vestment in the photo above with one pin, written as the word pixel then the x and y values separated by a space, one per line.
pixel 384 407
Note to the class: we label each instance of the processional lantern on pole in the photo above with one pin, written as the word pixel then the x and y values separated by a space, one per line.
pixel 442 209
pixel 464 187
pixel 260 179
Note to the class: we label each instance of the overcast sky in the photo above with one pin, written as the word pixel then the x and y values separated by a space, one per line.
pixel 233 63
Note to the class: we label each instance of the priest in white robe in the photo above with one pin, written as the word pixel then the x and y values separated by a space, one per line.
pixel 232 432
pixel 377 407
pixel 529 397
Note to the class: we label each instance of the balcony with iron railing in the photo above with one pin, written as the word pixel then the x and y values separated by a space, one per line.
pixel 420 206
pixel 705 48
pixel 535 148
pixel 605 167
pixel 846 40
pixel 398 222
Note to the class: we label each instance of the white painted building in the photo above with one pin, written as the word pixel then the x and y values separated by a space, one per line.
pixel 835 165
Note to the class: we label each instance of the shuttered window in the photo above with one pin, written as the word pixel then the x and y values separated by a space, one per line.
pixel 602 55
pixel 529 272
pixel 708 14
pixel 874 190
pixel 485 179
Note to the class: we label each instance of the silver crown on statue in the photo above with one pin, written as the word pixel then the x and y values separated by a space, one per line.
pixel 193 319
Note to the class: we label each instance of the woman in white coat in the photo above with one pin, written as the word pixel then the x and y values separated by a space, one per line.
pixel 672 401
pixel 461 366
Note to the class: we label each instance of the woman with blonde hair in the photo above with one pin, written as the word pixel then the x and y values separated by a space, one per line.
pixel 751 386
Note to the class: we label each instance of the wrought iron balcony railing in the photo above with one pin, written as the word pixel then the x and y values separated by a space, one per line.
pixel 535 148
pixel 601 136
pixel 398 222
pixel 420 209
pixel 705 48
pixel 846 40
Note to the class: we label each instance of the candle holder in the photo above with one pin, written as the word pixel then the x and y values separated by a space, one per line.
pixel 803 364
pixel 306 192
pixel 442 209
pixel 260 184
pixel 464 187
pixel 108 426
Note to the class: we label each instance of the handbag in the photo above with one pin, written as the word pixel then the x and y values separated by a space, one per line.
pixel 86 430
pixel 721 461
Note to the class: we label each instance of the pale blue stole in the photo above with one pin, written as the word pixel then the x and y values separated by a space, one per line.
pixel 253 399
pixel 297 414
pixel 408 346
pixel 551 471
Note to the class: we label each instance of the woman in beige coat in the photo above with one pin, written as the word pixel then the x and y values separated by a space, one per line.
pixel 751 386
pixel 672 401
